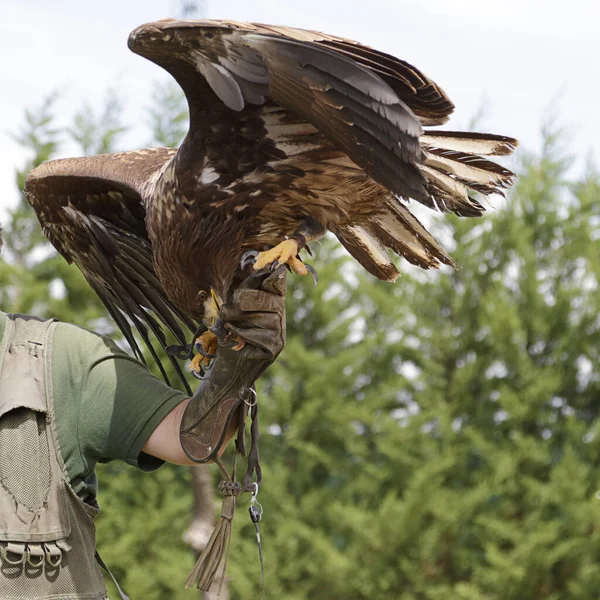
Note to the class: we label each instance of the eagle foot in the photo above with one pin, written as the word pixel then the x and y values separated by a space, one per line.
pixel 206 348
pixel 285 253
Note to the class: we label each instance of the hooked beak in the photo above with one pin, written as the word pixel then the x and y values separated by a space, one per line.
pixel 215 299
pixel 212 307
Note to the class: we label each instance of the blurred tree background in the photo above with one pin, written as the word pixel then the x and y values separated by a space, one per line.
pixel 433 439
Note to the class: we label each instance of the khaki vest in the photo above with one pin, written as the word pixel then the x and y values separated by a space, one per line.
pixel 47 533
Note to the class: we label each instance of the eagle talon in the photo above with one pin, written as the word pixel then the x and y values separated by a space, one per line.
pixel 313 273
pixel 203 372
pixel 200 350
pixel 248 258
pixel 198 374
pixel 198 369
pixel 206 350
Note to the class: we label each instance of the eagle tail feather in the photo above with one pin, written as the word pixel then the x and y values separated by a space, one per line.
pixel 397 229
pixel 363 245
pixel 453 166
pixel 470 142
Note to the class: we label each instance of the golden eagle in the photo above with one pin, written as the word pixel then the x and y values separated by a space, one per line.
pixel 292 133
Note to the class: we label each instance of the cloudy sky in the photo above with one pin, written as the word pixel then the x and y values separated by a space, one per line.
pixel 516 57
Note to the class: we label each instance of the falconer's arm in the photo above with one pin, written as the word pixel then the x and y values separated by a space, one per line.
pixel 199 428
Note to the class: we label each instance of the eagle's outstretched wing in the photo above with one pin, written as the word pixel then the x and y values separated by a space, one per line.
pixel 268 98
pixel 367 103
pixel 91 210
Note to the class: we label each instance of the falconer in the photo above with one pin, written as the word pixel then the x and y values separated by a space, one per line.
pixel 70 398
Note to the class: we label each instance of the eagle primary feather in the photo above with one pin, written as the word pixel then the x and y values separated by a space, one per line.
pixel 286 125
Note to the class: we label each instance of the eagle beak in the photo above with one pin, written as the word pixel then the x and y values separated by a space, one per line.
pixel 212 308
pixel 215 300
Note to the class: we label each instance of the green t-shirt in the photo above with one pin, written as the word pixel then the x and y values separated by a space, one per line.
pixel 106 405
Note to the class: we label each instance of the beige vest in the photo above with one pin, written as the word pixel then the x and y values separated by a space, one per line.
pixel 47 534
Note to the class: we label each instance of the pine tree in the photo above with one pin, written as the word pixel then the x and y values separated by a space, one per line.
pixel 32 276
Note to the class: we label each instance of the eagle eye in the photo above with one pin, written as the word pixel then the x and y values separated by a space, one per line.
pixel 202 296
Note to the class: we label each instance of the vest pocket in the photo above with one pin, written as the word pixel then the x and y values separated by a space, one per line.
pixel 30 483
pixel 25 457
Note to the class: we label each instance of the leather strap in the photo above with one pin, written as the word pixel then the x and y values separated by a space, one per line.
pixel 99 560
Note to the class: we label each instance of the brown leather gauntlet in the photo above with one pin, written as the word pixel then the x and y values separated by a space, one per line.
pixel 256 314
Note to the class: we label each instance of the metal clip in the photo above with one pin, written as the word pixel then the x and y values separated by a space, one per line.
pixel 250 402
pixel 256 513
pixel 16 549
pixel 54 555
pixel 256 509
pixel 35 551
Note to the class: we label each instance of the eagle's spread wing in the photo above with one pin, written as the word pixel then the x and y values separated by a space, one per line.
pixel 365 102
pixel 336 110
pixel 91 210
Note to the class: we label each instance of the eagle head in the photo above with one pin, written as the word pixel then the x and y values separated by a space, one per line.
pixel 199 283
pixel 147 40
pixel 151 39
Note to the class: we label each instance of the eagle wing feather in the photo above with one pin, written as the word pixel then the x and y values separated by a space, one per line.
pixel 91 209
pixel 357 103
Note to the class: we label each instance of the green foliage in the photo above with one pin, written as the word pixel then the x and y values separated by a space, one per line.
pixel 33 276
pixel 140 530
pixel 432 439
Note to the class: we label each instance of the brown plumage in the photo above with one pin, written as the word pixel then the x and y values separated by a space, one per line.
pixel 286 125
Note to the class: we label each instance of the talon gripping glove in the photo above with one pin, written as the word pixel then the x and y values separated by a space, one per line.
pixel 256 315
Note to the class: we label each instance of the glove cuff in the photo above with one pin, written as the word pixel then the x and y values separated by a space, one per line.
pixel 218 400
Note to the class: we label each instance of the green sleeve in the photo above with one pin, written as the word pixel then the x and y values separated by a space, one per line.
pixel 110 402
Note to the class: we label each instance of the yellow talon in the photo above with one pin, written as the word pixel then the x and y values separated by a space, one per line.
pixel 297 266
pixel 240 343
pixel 208 342
pixel 284 253
pixel 196 363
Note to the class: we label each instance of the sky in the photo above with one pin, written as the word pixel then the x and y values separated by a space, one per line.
pixel 524 61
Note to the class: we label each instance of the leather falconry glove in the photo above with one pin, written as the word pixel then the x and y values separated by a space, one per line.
pixel 255 314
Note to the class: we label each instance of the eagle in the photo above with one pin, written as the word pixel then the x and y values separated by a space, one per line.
pixel 292 134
